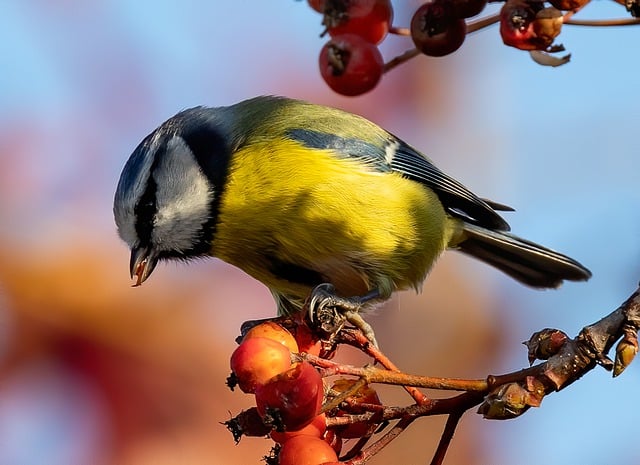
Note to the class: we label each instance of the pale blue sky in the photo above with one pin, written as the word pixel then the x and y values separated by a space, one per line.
pixel 561 145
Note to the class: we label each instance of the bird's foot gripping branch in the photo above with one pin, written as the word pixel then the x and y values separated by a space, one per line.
pixel 308 404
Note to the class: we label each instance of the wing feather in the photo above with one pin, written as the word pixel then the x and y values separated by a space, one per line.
pixel 393 155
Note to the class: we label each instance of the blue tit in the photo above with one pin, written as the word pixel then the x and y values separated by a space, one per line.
pixel 297 195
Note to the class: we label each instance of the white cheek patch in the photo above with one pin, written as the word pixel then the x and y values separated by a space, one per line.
pixel 131 186
pixel 183 198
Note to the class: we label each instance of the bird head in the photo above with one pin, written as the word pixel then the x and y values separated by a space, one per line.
pixel 165 202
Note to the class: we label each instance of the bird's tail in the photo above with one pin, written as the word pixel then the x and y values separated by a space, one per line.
pixel 526 261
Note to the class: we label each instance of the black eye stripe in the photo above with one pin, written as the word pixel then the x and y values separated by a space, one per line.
pixel 145 209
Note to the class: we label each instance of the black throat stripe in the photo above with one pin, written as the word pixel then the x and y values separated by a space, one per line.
pixel 213 154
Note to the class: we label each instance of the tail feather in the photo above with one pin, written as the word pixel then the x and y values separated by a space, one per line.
pixel 526 261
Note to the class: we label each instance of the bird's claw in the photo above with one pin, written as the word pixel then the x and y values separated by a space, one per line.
pixel 330 312
pixel 324 309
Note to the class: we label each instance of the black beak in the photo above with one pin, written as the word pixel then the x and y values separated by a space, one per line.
pixel 142 263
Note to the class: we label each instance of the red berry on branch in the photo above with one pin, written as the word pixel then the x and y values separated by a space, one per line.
pixel 317 5
pixel 568 5
pixel 350 65
pixel 306 450
pixel 519 29
pixel 257 360
pixel 316 428
pixel 370 19
pixel 632 6
pixel 364 395
pixel 274 331
pixel 291 399
pixel 334 440
pixel 468 8
pixel 307 341
pixel 436 30
pixel 247 423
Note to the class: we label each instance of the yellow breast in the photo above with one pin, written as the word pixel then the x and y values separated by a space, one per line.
pixel 343 221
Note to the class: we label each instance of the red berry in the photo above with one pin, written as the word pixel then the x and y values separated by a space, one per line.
pixel 364 395
pixel 568 4
pixel 307 341
pixel 274 331
pixel 468 8
pixel 317 5
pixel 247 423
pixel 518 26
pixel 350 65
pixel 436 30
pixel 257 360
pixel 316 428
pixel 292 399
pixel 334 440
pixel 306 450
pixel 632 6
pixel 370 19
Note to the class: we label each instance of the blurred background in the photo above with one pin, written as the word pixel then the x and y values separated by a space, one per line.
pixel 95 372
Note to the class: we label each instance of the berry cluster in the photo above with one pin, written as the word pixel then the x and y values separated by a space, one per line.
pixel 289 396
pixel 351 64
pixel 309 405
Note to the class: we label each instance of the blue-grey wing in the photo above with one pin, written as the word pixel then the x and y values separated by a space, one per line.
pixel 393 155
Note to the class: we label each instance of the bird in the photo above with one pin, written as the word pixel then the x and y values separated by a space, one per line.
pixel 312 201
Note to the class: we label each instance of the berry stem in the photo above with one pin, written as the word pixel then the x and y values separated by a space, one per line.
pixel 454 406
pixel 404 57
pixel 603 22
pixel 333 403
pixel 357 339
pixel 481 23
pixel 400 31
pixel 384 441
pixel 447 436
pixel 392 376
pixel 473 26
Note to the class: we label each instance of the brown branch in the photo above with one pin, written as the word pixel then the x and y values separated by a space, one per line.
pixel 382 376
pixel 513 393
pixel 402 58
pixel 473 26
pixel 445 439
pixel 481 23
pixel 603 22
pixel 500 396
pixel 385 440
pixel 358 340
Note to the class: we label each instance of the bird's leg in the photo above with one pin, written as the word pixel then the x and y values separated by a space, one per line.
pixel 332 311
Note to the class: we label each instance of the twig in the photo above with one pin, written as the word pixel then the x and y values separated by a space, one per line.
pixel 384 441
pixel 481 23
pixel 445 439
pixel 512 393
pixel 603 22
pixel 473 26
pixel 357 339
pixel 500 396
pixel 383 376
